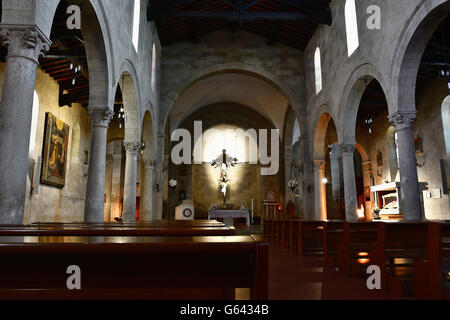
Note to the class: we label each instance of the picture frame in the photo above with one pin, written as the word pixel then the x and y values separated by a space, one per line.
pixel 54 153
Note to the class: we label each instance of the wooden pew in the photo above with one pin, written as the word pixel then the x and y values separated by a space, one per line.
pixel 431 274
pixel 398 244
pixel 332 237
pixel 134 267
pixel 359 240
pixel 105 231
pixel 310 238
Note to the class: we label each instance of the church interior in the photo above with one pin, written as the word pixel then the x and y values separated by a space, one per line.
pixel 225 149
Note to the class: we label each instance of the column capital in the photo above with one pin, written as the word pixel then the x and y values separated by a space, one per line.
pixel 402 120
pixel 101 116
pixel 132 147
pixel 335 151
pixel 347 149
pixel 319 164
pixel 24 41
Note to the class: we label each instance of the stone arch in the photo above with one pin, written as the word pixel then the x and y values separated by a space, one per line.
pixel 414 39
pixel 129 86
pixel 148 137
pixel 256 71
pixel 97 45
pixel 362 152
pixel 320 131
pixel 351 99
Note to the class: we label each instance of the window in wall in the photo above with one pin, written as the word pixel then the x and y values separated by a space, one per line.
pixel 153 67
pixel 136 23
pixel 318 70
pixel 446 124
pixel 351 25
pixel 34 120
pixel 296 132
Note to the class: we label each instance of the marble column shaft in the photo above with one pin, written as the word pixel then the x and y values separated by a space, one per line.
pixel 147 190
pixel 129 192
pixel 335 159
pixel 410 204
pixel 348 170
pixel 95 190
pixel 25 44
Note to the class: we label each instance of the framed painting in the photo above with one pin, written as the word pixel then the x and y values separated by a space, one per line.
pixel 54 154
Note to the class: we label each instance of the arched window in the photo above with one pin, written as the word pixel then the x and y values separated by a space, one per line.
pixel 296 132
pixel 153 66
pixel 34 121
pixel 318 70
pixel 351 25
pixel 446 124
pixel 136 23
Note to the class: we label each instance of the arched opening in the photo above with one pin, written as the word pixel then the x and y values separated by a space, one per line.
pixel 379 168
pixel 62 95
pixel 351 26
pixel 258 98
pixel 153 79
pixel 122 182
pixel 327 170
pixel 146 209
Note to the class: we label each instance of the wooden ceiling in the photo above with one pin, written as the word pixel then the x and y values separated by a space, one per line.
pixel 291 22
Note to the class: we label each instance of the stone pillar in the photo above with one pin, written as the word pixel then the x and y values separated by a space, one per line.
pixel 320 204
pixel 160 174
pixel 350 194
pixel 129 192
pixel 148 178
pixel 410 204
pixel 116 185
pixel 95 190
pixel 335 163
pixel 25 44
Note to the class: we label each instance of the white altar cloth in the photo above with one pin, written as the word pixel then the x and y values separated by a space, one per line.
pixel 229 215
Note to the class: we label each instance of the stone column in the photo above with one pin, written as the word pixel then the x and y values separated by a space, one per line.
pixel 410 204
pixel 160 174
pixel 335 160
pixel 95 190
pixel 350 194
pixel 148 178
pixel 320 205
pixel 129 192
pixel 25 44
pixel 115 185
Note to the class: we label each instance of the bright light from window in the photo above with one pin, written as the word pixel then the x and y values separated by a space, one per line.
pixel 351 25
pixel 296 133
pixel 136 23
pixel 153 67
pixel 34 121
pixel 228 137
pixel 318 70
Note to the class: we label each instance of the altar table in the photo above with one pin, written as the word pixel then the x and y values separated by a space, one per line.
pixel 229 215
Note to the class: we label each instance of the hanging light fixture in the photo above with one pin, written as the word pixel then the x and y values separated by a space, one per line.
pixel 368 120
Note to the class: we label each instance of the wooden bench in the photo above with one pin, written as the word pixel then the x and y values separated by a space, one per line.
pixel 398 244
pixel 359 240
pixel 105 231
pixel 431 274
pixel 310 238
pixel 134 267
pixel 332 237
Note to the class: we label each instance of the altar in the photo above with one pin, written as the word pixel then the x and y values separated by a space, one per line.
pixel 229 215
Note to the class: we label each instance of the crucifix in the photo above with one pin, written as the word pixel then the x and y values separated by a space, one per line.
pixel 224 161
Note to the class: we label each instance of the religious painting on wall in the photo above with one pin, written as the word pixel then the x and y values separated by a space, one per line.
pixel 54 154
pixel 379 159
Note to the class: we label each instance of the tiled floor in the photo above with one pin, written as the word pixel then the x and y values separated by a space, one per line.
pixel 303 278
